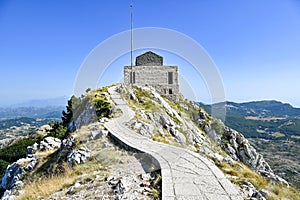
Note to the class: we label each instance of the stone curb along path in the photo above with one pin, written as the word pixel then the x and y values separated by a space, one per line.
pixel 185 174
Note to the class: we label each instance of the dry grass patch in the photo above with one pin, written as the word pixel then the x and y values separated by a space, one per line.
pixel 282 192
pixel 43 187
pixel 89 167
pixel 242 174
pixel 158 137
pixel 107 157
pixel 138 117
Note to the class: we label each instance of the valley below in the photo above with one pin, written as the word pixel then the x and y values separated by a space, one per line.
pixel 20 121
pixel 283 157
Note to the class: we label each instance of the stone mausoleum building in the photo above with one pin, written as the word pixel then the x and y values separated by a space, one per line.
pixel 150 71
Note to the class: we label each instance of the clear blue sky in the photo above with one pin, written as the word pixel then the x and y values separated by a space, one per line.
pixel 255 44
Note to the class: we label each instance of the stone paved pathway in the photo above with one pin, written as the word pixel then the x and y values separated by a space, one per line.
pixel 185 174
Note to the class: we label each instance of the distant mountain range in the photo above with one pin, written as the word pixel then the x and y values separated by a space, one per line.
pixel 38 108
pixel 32 112
pixel 263 119
pixel 49 102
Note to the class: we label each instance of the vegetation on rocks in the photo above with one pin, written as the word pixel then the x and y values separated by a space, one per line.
pixel 3 166
pixel 239 174
pixel 14 152
pixel 220 135
pixel 103 107
pixel 181 123
pixel 54 176
pixel 97 99
pixel 273 128
pixel 95 178
pixel 17 150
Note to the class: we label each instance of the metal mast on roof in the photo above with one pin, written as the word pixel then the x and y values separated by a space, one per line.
pixel 131 38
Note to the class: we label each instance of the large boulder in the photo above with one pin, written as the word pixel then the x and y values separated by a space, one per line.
pixel 69 143
pixel 273 177
pixel 132 95
pixel 193 133
pixel 251 192
pixel 177 134
pixel 49 143
pixel 168 108
pixel 94 135
pixel 79 156
pixel 142 128
pixel 14 174
pixel 212 133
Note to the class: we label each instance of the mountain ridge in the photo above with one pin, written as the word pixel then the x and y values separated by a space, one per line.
pixel 32 112
pixel 81 138
pixel 264 119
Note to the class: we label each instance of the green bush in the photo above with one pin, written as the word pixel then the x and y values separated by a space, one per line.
pixel 17 150
pixel 218 126
pixel 3 166
pixel 142 94
pixel 67 117
pixel 103 107
pixel 58 130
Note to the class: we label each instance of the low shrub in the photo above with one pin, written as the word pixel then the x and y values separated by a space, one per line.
pixel 3 166
pixel 16 150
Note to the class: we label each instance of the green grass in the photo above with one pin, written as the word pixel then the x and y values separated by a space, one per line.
pixel 141 93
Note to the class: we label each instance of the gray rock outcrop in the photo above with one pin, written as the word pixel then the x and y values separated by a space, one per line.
pixel 13 177
pixel 132 95
pixel 95 135
pixel 79 156
pixel 85 117
pixel 273 177
pixel 142 128
pixel 49 143
pixel 14 174
pixel 250 192
pixel 238 147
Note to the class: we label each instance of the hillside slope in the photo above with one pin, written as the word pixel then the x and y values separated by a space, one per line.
pixel 185 175
pixel 85 163
pixel 273 128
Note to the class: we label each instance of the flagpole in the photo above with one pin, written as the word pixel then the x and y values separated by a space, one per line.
pixel 131 35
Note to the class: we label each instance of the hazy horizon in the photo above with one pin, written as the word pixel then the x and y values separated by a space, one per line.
pixel 30 102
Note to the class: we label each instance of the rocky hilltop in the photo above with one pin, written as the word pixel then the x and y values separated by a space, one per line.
pixel 273 128
pixel 89 162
